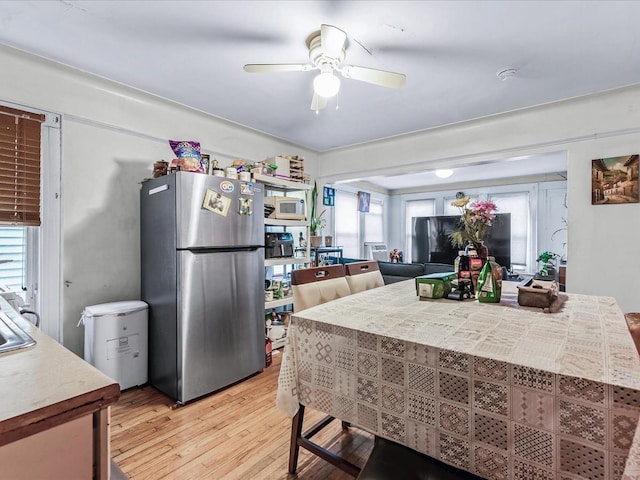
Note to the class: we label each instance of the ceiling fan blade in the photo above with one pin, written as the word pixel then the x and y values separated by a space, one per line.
pixel 332 40
pixel 277 67
pixel 371 75
pixel 318 102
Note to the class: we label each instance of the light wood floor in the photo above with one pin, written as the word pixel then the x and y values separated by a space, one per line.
pixel 236 433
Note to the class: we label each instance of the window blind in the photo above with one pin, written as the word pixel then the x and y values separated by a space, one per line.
pixel 20 167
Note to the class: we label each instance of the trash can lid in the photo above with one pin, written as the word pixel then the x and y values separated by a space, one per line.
pixel 114 308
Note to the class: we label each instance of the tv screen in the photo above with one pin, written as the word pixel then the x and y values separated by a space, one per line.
pixel 431 243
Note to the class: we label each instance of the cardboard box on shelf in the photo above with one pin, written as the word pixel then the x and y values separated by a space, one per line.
pixel 290 167
pixel 283 166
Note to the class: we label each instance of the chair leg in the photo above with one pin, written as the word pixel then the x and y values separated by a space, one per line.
pixel 296 433
pixel 345 425
pixel 300 439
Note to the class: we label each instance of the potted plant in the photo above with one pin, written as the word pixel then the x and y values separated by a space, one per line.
pixel 316 222
pixel 547 266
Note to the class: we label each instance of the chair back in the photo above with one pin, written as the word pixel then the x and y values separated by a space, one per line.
pixel 633 322
pixel 363 276
pixel 316 285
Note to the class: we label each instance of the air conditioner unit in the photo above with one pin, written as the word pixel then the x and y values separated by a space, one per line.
pixel 376 251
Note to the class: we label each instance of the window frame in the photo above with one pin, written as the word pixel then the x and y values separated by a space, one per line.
pixel 375 198
pixel 44 243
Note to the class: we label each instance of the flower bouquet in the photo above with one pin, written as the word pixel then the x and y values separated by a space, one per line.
pixel 473 223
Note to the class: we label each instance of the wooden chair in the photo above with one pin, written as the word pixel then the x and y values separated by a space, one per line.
pixel 317 285
pixel 311 287
pixel 633 322
pixel 363 276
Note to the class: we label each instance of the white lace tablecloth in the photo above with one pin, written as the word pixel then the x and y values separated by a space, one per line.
pixel 495 389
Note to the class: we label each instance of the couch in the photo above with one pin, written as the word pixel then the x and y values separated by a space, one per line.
pixel 397 272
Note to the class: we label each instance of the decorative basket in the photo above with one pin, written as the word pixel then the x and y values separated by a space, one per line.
pixel 537 293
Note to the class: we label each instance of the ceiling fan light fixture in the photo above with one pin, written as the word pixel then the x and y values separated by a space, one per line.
pixel 326 84
pixel 444 173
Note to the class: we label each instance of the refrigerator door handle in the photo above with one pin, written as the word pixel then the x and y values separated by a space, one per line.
pixel 198 250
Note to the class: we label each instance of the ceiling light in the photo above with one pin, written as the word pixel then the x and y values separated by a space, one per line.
pixel 444 173
pixel 326 84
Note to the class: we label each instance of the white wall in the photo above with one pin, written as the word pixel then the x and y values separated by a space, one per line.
pixel 111 135
pixel 601 257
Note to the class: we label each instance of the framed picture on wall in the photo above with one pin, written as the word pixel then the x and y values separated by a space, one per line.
pixel 328 196
pixel 364 199
pixel 614 180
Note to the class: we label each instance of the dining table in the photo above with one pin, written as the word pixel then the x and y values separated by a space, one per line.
pixel 497 389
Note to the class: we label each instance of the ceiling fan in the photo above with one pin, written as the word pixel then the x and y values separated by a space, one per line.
pixel 327 50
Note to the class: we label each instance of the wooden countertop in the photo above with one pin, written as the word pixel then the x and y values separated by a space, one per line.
pixel 46 385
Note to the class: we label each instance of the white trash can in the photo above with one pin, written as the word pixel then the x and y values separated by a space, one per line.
pixel 116 340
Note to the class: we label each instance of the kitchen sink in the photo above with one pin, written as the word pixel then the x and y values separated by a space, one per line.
pixel 12 337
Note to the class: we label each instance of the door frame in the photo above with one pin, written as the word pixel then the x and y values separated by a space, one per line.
pixel 49 293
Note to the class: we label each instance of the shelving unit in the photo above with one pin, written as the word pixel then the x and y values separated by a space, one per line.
pixel 279 185
pixel 281 302
pixel 318 252
pixel 269 262
pixel 279 343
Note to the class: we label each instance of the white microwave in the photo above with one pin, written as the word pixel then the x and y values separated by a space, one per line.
pixel 285 208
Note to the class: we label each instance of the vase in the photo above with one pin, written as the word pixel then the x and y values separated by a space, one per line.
pixel 482 250
pixel 316 240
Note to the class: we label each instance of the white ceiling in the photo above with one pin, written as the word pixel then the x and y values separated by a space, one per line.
pixel 193 52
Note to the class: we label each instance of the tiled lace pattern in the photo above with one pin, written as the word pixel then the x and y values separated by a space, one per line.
pixel 501 391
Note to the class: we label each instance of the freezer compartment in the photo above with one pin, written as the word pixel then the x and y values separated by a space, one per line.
pixel 193 210
pixel 218 212
pixel 220 319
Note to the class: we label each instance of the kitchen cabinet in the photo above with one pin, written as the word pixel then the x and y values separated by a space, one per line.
pixel 63 451
pixel 279 269
pixel 54 414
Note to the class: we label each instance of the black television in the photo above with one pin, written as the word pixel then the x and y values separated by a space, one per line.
pixel 431 242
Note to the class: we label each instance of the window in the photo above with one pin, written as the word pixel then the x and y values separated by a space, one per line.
pixel 20 134
pixel 347 225
pixel 530 209
pixel 13 241
pixel 517 204
pixel 415 208
pixel 373 223
pixel 39 261
pixel 20 138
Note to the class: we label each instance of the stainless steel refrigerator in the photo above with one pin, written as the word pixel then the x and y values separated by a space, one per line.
pixel 202 262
